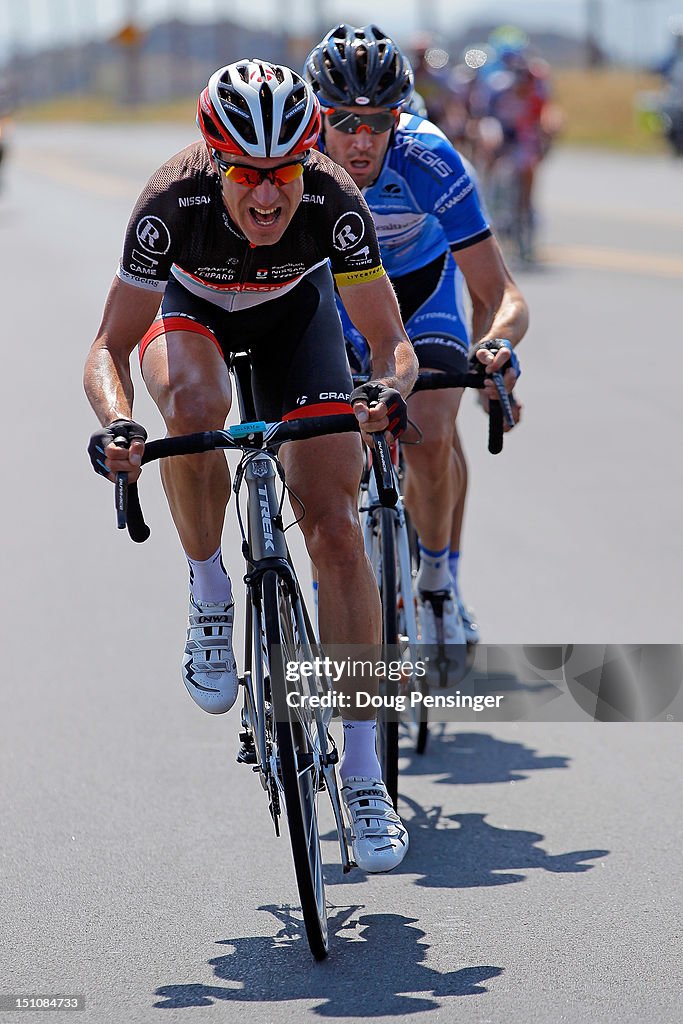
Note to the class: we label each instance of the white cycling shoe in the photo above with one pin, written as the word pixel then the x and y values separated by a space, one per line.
pixel 379 839
pixel 469 621
pixel 439 618
pixel 209 668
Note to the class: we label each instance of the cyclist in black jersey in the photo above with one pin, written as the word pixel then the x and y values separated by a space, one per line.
pixel 237 242
pixel 434 238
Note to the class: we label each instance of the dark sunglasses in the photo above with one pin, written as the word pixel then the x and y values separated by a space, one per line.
pixel 351 124
pixel 251 177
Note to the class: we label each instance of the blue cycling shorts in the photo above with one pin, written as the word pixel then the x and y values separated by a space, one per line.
pixel 431 300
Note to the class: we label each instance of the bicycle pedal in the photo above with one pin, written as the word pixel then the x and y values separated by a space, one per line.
pixel 247 752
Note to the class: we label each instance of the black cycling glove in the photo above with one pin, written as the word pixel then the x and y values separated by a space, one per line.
pixel 127 429
pixel 397 410
pixel 494 345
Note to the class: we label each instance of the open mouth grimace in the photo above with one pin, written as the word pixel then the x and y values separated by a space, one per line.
pixel 265 218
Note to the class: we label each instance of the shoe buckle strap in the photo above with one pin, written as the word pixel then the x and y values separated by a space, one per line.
pixel 208 643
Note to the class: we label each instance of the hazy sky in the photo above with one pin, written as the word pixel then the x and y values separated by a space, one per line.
pixel 629 27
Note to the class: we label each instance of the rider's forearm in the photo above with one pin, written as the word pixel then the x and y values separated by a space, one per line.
pixel 396 365
pixel 108 384
pixel 509 319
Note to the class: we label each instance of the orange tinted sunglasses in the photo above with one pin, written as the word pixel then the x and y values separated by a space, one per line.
pixel 251 177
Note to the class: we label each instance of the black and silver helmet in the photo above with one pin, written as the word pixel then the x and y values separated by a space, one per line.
pixel 359 66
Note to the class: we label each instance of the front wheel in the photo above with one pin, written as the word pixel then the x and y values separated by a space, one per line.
pixel 299 768
pixel 387 719
pixel 418 719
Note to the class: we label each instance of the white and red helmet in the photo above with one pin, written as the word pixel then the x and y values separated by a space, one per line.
pixel 255 109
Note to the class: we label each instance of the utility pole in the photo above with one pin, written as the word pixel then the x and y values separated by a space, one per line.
pixel 130 39
pixel 594 55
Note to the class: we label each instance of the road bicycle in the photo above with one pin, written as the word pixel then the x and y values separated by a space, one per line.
pixel 391 545
pixel 285 738
pixel 514 222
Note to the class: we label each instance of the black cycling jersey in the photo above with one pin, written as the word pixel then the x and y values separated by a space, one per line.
pixel 181 228
pixel 299 365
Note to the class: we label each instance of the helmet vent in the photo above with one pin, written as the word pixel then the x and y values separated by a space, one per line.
pixel 208 128
pixel 266 101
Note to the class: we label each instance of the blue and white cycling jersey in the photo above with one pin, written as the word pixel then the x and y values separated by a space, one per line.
pixel 424 201
pixel 424 204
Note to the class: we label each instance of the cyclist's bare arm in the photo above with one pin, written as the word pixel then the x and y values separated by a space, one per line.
pixel 373 308
pixel 108 384
pixel 498 307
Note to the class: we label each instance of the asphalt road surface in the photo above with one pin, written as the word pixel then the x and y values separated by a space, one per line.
pixel 137 860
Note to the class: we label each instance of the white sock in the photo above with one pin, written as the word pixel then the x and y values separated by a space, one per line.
pixel 315 603
pixel 434 573
pixel 209 581
pixel 360 753
pixel 454 563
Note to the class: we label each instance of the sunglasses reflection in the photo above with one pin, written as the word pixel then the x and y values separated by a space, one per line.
pixel 251 177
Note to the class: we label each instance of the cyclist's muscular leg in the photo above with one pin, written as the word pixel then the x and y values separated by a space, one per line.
pixel 434 478
pixel 324 473
pixel 189 381
pixel 463 478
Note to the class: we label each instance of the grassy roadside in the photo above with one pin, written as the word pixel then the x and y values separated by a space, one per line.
pixel 600 109
pixel 104 109
pixel 598 106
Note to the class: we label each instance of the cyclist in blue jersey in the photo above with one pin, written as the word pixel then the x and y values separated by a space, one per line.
pixel 435 240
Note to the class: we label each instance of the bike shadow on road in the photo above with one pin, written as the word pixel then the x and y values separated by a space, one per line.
pixel 473 854
pixel 475 758
pixel 278 969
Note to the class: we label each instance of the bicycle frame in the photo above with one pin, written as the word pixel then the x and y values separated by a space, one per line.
pixel 265 549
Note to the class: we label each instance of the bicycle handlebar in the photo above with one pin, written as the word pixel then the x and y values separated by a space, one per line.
pixel 262 436
pixel 499 412
pixel 257 436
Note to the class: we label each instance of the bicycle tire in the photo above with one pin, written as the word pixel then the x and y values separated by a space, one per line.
pixel 421 718
pixel 387 718
pixel 299 785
